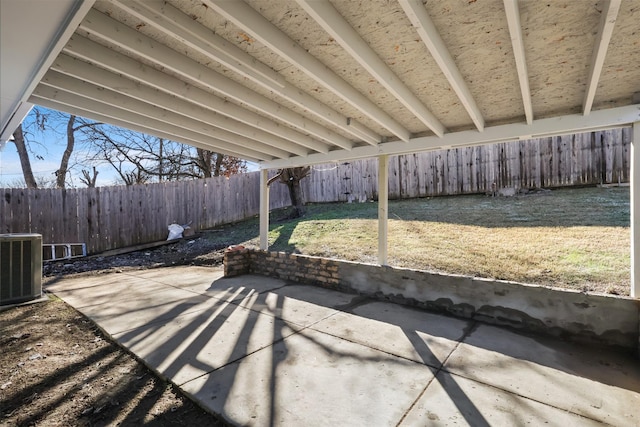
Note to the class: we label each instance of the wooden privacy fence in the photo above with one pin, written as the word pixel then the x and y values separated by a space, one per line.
pixel 113 217
pixel 581 159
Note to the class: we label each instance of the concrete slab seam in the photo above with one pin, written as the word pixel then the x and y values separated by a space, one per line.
pixel 417 399
pixel 232 361
pixel 466 332
pixel 381 350
pixel 126 350
pixel 166 284
pixel 569 411
pixel 156 371
pixel 466 335
pixel 153 322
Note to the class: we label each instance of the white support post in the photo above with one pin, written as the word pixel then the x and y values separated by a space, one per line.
pixel 264 209
pixel 635 210
pixel 383 207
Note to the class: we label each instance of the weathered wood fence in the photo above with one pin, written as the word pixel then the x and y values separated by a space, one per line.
pixel 113 217
pixel 582 159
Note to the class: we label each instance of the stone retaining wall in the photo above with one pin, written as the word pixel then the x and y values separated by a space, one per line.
pixel 603 319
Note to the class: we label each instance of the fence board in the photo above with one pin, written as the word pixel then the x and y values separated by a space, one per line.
pixel 69 208
pixel 5 210
pixel 81 209
pixel 110 224
pixel 20 208
pixel 45 215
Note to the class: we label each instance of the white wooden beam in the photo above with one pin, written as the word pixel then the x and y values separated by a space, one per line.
pixel 131 69
pixel 333 23
pixel 25 62
pixel 99 93
pixel 515 30
pixel 174 23
pixel 131 40
pixel 20 111
pixel 417 14
pixel 607 22
pixel 149 98
pixel 564 125
pixel 264 209
pixel 129 120
pixel 245 17
pixel 635 210
pixel 74 109
pixel 383 208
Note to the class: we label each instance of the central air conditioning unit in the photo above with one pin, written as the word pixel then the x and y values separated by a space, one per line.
pixel 20 267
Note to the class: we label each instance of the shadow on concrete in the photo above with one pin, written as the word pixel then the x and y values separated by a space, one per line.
pixel 596 363
pixel 135 394
pixel 203 343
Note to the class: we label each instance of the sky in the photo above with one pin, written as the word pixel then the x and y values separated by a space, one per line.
pixel 46 152
pixel 50 150
pixel 11 171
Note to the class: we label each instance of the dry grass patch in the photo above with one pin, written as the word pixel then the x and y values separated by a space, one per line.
pixel 574 257
pixel 571 238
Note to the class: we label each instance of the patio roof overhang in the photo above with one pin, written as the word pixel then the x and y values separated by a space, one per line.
pixel 288 83
pixel 295 82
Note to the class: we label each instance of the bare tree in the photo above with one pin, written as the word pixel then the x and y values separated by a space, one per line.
pixel 44 123
pixel 291 177
pixel 204 160
pixel 228 165
pixel 138 157
pixel 216 164
pixel 89 178
pixel 23 154
pixel 61 173
pixel 135 176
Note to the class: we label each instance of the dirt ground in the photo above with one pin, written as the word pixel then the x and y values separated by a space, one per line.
pixel 58 369
pixel 197 250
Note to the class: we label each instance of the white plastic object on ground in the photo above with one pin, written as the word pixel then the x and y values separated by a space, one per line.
pixel 175 231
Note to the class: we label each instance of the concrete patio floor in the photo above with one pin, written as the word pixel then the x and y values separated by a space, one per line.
pixel 264 352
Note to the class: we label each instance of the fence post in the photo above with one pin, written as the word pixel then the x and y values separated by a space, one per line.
pixel 635 210
pixel 264 209
pixel 383 207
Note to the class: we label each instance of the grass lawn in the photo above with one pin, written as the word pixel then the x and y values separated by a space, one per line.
pixel 570 238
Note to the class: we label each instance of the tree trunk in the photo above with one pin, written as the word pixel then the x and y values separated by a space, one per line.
pixel 218 165
pixel 24 158
pixel 204 162
pixel 291 177
pixel 88 178
pixel 61 174
pixel 295 192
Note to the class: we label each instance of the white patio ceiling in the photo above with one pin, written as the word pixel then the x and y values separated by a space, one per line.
pixel 287 83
